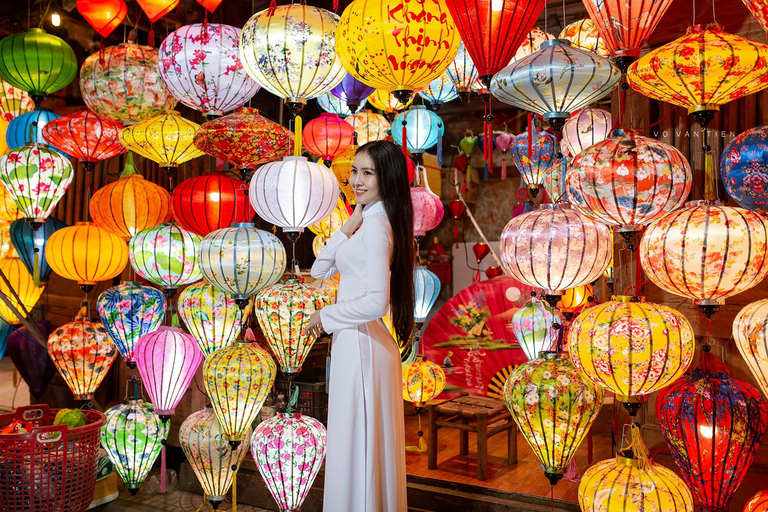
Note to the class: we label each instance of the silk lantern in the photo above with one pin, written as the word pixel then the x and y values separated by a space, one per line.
pixel 200 66
pixel 28 128
pixel 539 161
pixel 352 92
pixel 209 202
pixel 534 327
pixel 167 360
pixel 712 424
pixel 463 74
pixel 211 316
pixel 283 311
pixel 759 10
pixel 30 245
pixel 342 169
pixel 369 126
pixel 750 332
pixel 744 167
pixel 167 139
pixel 574 299
pixel 428 209
pixel 31 359
pixel 630 348
pixel 373 44
pixel 584 35
pixel 85 136
pixel 237 379
pixel 166 255
pixel 86 253
pixel 586 128
pixel 385 100
pixel 531 43
pixel 758 502
pixel 554 407
pixel 5 239
pixel 37 62
pixel 289 449
pixel 328 136
pixel 130 204
pixel 128 312
pixel 103 15
pixel 9 211
pixel 122 83
pixel 423 381
pixel 241 260
pixel 83 354
pixel 202 439
pixel 22 284
pixel 419 129
pixel 333 105
pixel 14 101
pixel 555 248
pixel 331 224
pixel 439 91
pixel 133 437
pixel 156 9
pixel 426 289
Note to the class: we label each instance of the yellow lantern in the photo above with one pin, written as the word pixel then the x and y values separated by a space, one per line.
pixel 584 35
pixel 422 381
pixel 21 283
pixel 750 332
pixel 331 224
pixel 9 212
pixel 386 101
pixel 86 253
pixel 342 168
pixel 167 139
pixel 397 46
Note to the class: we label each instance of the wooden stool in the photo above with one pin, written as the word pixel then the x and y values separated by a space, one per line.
pixel 485 416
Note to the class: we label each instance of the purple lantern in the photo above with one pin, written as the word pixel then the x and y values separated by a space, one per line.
pixel 31 358
pixel 167 360
pixel 353 92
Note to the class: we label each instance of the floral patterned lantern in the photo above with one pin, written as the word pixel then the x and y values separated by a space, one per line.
pixel 440 90
pixel 541 159
pixel 103 15
pixel 130 204
pixel 202 439
pixel 85 136
pixel 706 252
pixel 237 379
pixel 211 316
pixel 167 360
pixel 428 210
pixel 128 312
pixel 531 43
pixel 328 136
pixel 28 128
pixel 554 407
pixel 30 245
pixel 122 83
pixel 283 311
pixel 534 327
pixel 333 105
pixel 331 224
pixel 586 128
pixel 584 35
pixel 83 353
pixel 758 502
pixel 744 166
pixel 241 260
pixel 211 201
pixel 352 92
pixel 463 74
pixel 167 139
pixel 555 248
pixel 422 381
pixel 200 66
pixel 712 424
pixel 288 450
pixel 133 437
pixel 419 129
pixel 369 126
pixel 750 332
pixel 14 101
pixel 426 289
pixel 86 253
pixel 386 101
pixel 22 285
pixel 166 255
pixel 630 348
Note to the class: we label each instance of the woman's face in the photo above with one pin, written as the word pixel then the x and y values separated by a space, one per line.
pixel 364 179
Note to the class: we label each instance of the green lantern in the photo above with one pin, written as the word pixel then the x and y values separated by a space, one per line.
pixel 37 62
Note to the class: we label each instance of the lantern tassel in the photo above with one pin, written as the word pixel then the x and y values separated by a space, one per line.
pixel 530 135
pixel 297 136
pixel 405 138
pixel 151 37
pixel 439 144
pixel 234 491
pixel 162 470
pixel 486 173
pixel 129 168
pixel 36 268
pixel 503 167
pixel 710 192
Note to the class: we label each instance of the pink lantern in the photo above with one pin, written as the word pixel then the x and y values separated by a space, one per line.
pixel 167 360
pixel 586 128
pixel 427 208
pixel 504 142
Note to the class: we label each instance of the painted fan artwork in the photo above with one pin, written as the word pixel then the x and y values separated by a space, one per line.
pixel 471 337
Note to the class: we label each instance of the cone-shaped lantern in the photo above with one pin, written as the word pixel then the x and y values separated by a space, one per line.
pixel 211 316
pixel 85 136
pixel 533 326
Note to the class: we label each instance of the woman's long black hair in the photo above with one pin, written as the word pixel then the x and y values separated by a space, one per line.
pixel 392 174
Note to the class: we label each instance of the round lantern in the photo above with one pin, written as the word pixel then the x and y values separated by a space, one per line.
pixel 167 360
pixel 369 126
pixel 421 128
pixel 209 202
pixel 750 332
pixel 706 252
pixel 584 35
pixel 30 245
pixel 630 348
pixel 122 83
pixel 283 311
pixel 83 353
pixel 37 62
pixel 426 289
pixel 167 139
pixel 556 80
pixel 428 211
pixel 554 407
pixel 128 312
pixel 237 379
pixel 574 299
pixel 352 92
pixel 14 101
pixel 555 248
pixel 331 224
pixel 385 100
pixel 422 381
pixel 541 159
pixel 712 424
pixel 85 136
pixel 628 180
pixel 241 260
pixel 328 136
pixel 440 90
pixel 28 128
pixel 373 43
pixel 290 51
pixel 531 43
pixel 333 105
pixel 86 253
pixel 463 74
pixel 317 244
pixel 22 285
pixel 130 204
pixel 758 502
pixel 133 437
pixel 293 193
pixel 342 169
pixel 202 439
pixel 166 255
pixel 533 326
pixel 36 179
pixel 211 316
pixel 200 66
pixel 288 450
pixel 744 166
pixel 103 15
pixel 588 127
pixel 31 359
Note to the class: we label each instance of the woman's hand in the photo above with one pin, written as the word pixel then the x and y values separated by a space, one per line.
pixel 314 326
pixel 354 221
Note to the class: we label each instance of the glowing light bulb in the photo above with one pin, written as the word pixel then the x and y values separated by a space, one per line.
pixel 108 14
pixel 497 5
pixel 55 19
pixel 215 196
pixel 706 431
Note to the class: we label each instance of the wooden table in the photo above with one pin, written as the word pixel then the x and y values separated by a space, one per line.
pixel 484 416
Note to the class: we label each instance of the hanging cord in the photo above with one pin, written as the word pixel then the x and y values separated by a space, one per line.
pixel 477 227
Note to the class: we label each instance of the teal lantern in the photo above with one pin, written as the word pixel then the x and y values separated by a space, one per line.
pixel 426 287
pixel 5 330
pixel 30 245
pixel 440 90
pixel 421 129
pixel 37 62
pixel 28 128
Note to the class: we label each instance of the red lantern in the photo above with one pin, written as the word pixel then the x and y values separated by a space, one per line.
pixel 156 9
pixel 210 5
pixel 103 15
pixel 85 136
pixel 493 271
pixel 328 136
pixel 457 208
pixel 713 425
pixel 481 250
pixel 210 202
pixel 758 502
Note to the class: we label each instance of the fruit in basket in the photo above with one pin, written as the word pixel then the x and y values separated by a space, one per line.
pixel 72 418
pixel 17 427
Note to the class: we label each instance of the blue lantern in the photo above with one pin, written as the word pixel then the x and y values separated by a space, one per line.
pixel 440 90
pixel 128 312
pixel 424 129
pixel 744 166
pixel 426 287
pixel 30 245
pixel 533 168
pixel 5 330
pixel 330 103
pixel 21 131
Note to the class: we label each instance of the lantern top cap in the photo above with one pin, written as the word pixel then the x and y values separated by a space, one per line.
pixel 553 42
pixel 554 206
pixel 418 107
pixel 627 298
pixel 243 225
pixel 169 328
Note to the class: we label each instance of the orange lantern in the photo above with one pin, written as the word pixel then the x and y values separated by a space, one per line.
pixel 103 15
pixel 156 9
pixel 22 284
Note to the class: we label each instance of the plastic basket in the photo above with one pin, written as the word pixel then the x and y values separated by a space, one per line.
pixel 52 468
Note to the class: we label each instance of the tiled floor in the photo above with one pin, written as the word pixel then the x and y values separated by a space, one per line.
pixel 174 501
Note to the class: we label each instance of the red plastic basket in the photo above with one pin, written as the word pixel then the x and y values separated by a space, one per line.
pixel 52 468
